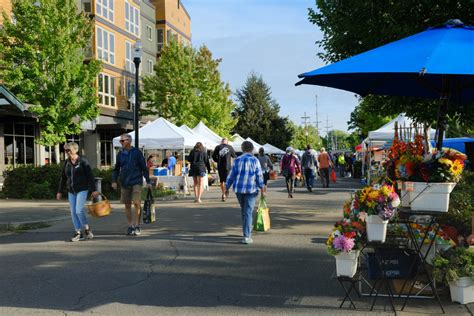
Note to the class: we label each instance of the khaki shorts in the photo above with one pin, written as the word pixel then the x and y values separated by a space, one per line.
pixel 129 194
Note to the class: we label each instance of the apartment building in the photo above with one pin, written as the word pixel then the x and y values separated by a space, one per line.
pixel 118 25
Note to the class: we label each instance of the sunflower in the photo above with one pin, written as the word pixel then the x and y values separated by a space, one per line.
pixel 373 195
pixel 445 161
pixel 364 193
pixel 456 168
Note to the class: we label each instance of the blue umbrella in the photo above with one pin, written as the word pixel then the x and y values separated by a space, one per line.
pixel 437 63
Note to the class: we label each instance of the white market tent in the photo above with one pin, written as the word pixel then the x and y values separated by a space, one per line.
pixel 162 134
pixel 209 144
pixel 256 146
pixel 205 131
pixel 237 141
pixel 270 149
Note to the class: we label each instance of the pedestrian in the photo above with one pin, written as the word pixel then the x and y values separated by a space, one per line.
pixel 324 161
pixel 131 168
pixel 169 162
pixel 289 167
pixel 223 154
pixel 266 165
pixel 246 178
pixel 342 164
pixel 199 165
pixel 308 163
pixel 78 178
pixel 150 164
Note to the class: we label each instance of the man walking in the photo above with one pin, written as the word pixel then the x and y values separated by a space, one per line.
pixel 324 163
pixel 130 166
pixel 246 178
pixel 223 155
pixel 308 162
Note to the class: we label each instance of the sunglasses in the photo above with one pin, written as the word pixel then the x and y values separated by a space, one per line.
pixel 123 140
pixel 68 150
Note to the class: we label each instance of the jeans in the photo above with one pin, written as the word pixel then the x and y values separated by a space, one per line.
pixel 247 204
pixel 309 177
pixel 78 214
pixel 324 176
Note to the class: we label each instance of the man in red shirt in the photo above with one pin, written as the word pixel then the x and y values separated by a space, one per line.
pixel 324 163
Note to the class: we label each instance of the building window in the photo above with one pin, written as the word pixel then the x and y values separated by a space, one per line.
pixel 160 39
pixel 19 144
pixel 132 19
pixel 106 147
pixel 149 32
pixel 106 90
pixel 169 36
pixel 129 66
pixel 105 45
pixel 105 9
pixel 150 66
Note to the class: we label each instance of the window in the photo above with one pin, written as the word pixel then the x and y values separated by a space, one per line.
pixel 169 36
pixel 150 66
pixel 132 19
pixel 160 38
pixel 19 144
pixel 106 90
pixel 105 45
pixel 148 32
pixel 129 66
pixel 106 147
pixel 105 9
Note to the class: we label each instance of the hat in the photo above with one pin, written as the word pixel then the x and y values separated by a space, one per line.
pixel 289 149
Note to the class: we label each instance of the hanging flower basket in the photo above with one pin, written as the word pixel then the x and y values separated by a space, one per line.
pixel 376 228
pixel 431 196
pixel 346 263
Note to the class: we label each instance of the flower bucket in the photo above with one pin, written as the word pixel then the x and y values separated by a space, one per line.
pixel 462 290
pixel 346 263
pixel 376 228
pixel 431 196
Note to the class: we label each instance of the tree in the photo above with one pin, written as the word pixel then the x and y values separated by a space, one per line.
pixel 43 63
pixel 257 114
pixel 338 140
pixel 304 136
pixel 186 88
pixel 352 27
pixel 365 119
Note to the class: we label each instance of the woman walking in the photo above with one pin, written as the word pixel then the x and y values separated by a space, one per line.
pixel 78 178
pixel 290 164
pixel 266 165
pixel 199 165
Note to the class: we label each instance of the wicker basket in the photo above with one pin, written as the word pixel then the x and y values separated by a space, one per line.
pixel 101 208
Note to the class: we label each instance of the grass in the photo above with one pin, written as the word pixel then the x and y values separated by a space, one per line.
pixel 22 228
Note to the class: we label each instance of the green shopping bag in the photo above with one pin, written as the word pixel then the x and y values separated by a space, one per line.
pixel 262 216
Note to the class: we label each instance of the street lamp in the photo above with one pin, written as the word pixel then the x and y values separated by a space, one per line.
pixel 137 58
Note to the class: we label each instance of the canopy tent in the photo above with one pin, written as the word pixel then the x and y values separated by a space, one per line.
pixel 256 146
pixel 162 134
pixel 209 144
pixel 270 149
pixel 205 131
pixel 237 141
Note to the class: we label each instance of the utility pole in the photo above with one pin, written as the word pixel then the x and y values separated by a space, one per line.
pixel 316 123
pixel 305 119
pixel 327 130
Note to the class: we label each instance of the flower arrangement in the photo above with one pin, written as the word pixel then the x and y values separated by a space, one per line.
pixel 445 165
pixel 381 200
pixel 345 237
pixel 403 158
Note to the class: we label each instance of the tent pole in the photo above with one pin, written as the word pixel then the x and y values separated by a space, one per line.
pixel 442 117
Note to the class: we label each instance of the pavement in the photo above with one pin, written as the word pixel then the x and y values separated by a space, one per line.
pixel 189 262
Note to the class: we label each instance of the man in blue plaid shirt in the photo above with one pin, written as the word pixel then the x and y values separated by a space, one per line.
pixel 246 178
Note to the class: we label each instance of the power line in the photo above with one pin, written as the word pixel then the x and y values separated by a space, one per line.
pixel 327 130
pixel 305 122
pixel 316 123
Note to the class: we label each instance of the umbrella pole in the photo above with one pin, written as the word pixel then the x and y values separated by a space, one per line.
pixel 442 117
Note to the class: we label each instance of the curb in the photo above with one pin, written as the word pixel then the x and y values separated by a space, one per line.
pixel 37 224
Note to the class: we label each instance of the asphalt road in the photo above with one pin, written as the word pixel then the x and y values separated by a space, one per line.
pixel 189 262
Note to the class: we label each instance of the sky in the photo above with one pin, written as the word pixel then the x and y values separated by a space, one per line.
pixel 274 39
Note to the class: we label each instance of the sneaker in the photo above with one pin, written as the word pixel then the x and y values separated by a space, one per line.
pixel 223 197
pixel 138 231
pixel 88 234
pixel 247 240
pixel 76 237
pixel 130 231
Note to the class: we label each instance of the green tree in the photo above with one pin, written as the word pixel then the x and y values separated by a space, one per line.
pixel 338 140
pixel 43 63
pixel 186 88
pixel 257 114
pixel 304 136
pixel 352 27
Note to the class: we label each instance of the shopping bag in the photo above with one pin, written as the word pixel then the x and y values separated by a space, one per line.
pixel 262 216
pixel 149 215
pixel 333 176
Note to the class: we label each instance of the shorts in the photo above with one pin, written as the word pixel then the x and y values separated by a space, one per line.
pixel 223 173
pixel 266 177
pixel 129 194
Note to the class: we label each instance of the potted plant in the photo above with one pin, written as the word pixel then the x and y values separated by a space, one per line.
pixel 344 243
pixel 455 267
pixel 376 206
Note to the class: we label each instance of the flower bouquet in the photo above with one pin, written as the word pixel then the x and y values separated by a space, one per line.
pixel 344 243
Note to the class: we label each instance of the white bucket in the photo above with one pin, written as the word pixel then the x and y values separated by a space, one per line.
pixel 376 228
pixel 431 196
pixel 346 263
pixel 462 290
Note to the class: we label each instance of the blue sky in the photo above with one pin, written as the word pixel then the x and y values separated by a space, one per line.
pixel 274 39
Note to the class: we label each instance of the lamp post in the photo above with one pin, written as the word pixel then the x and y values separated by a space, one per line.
pixel 137 58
